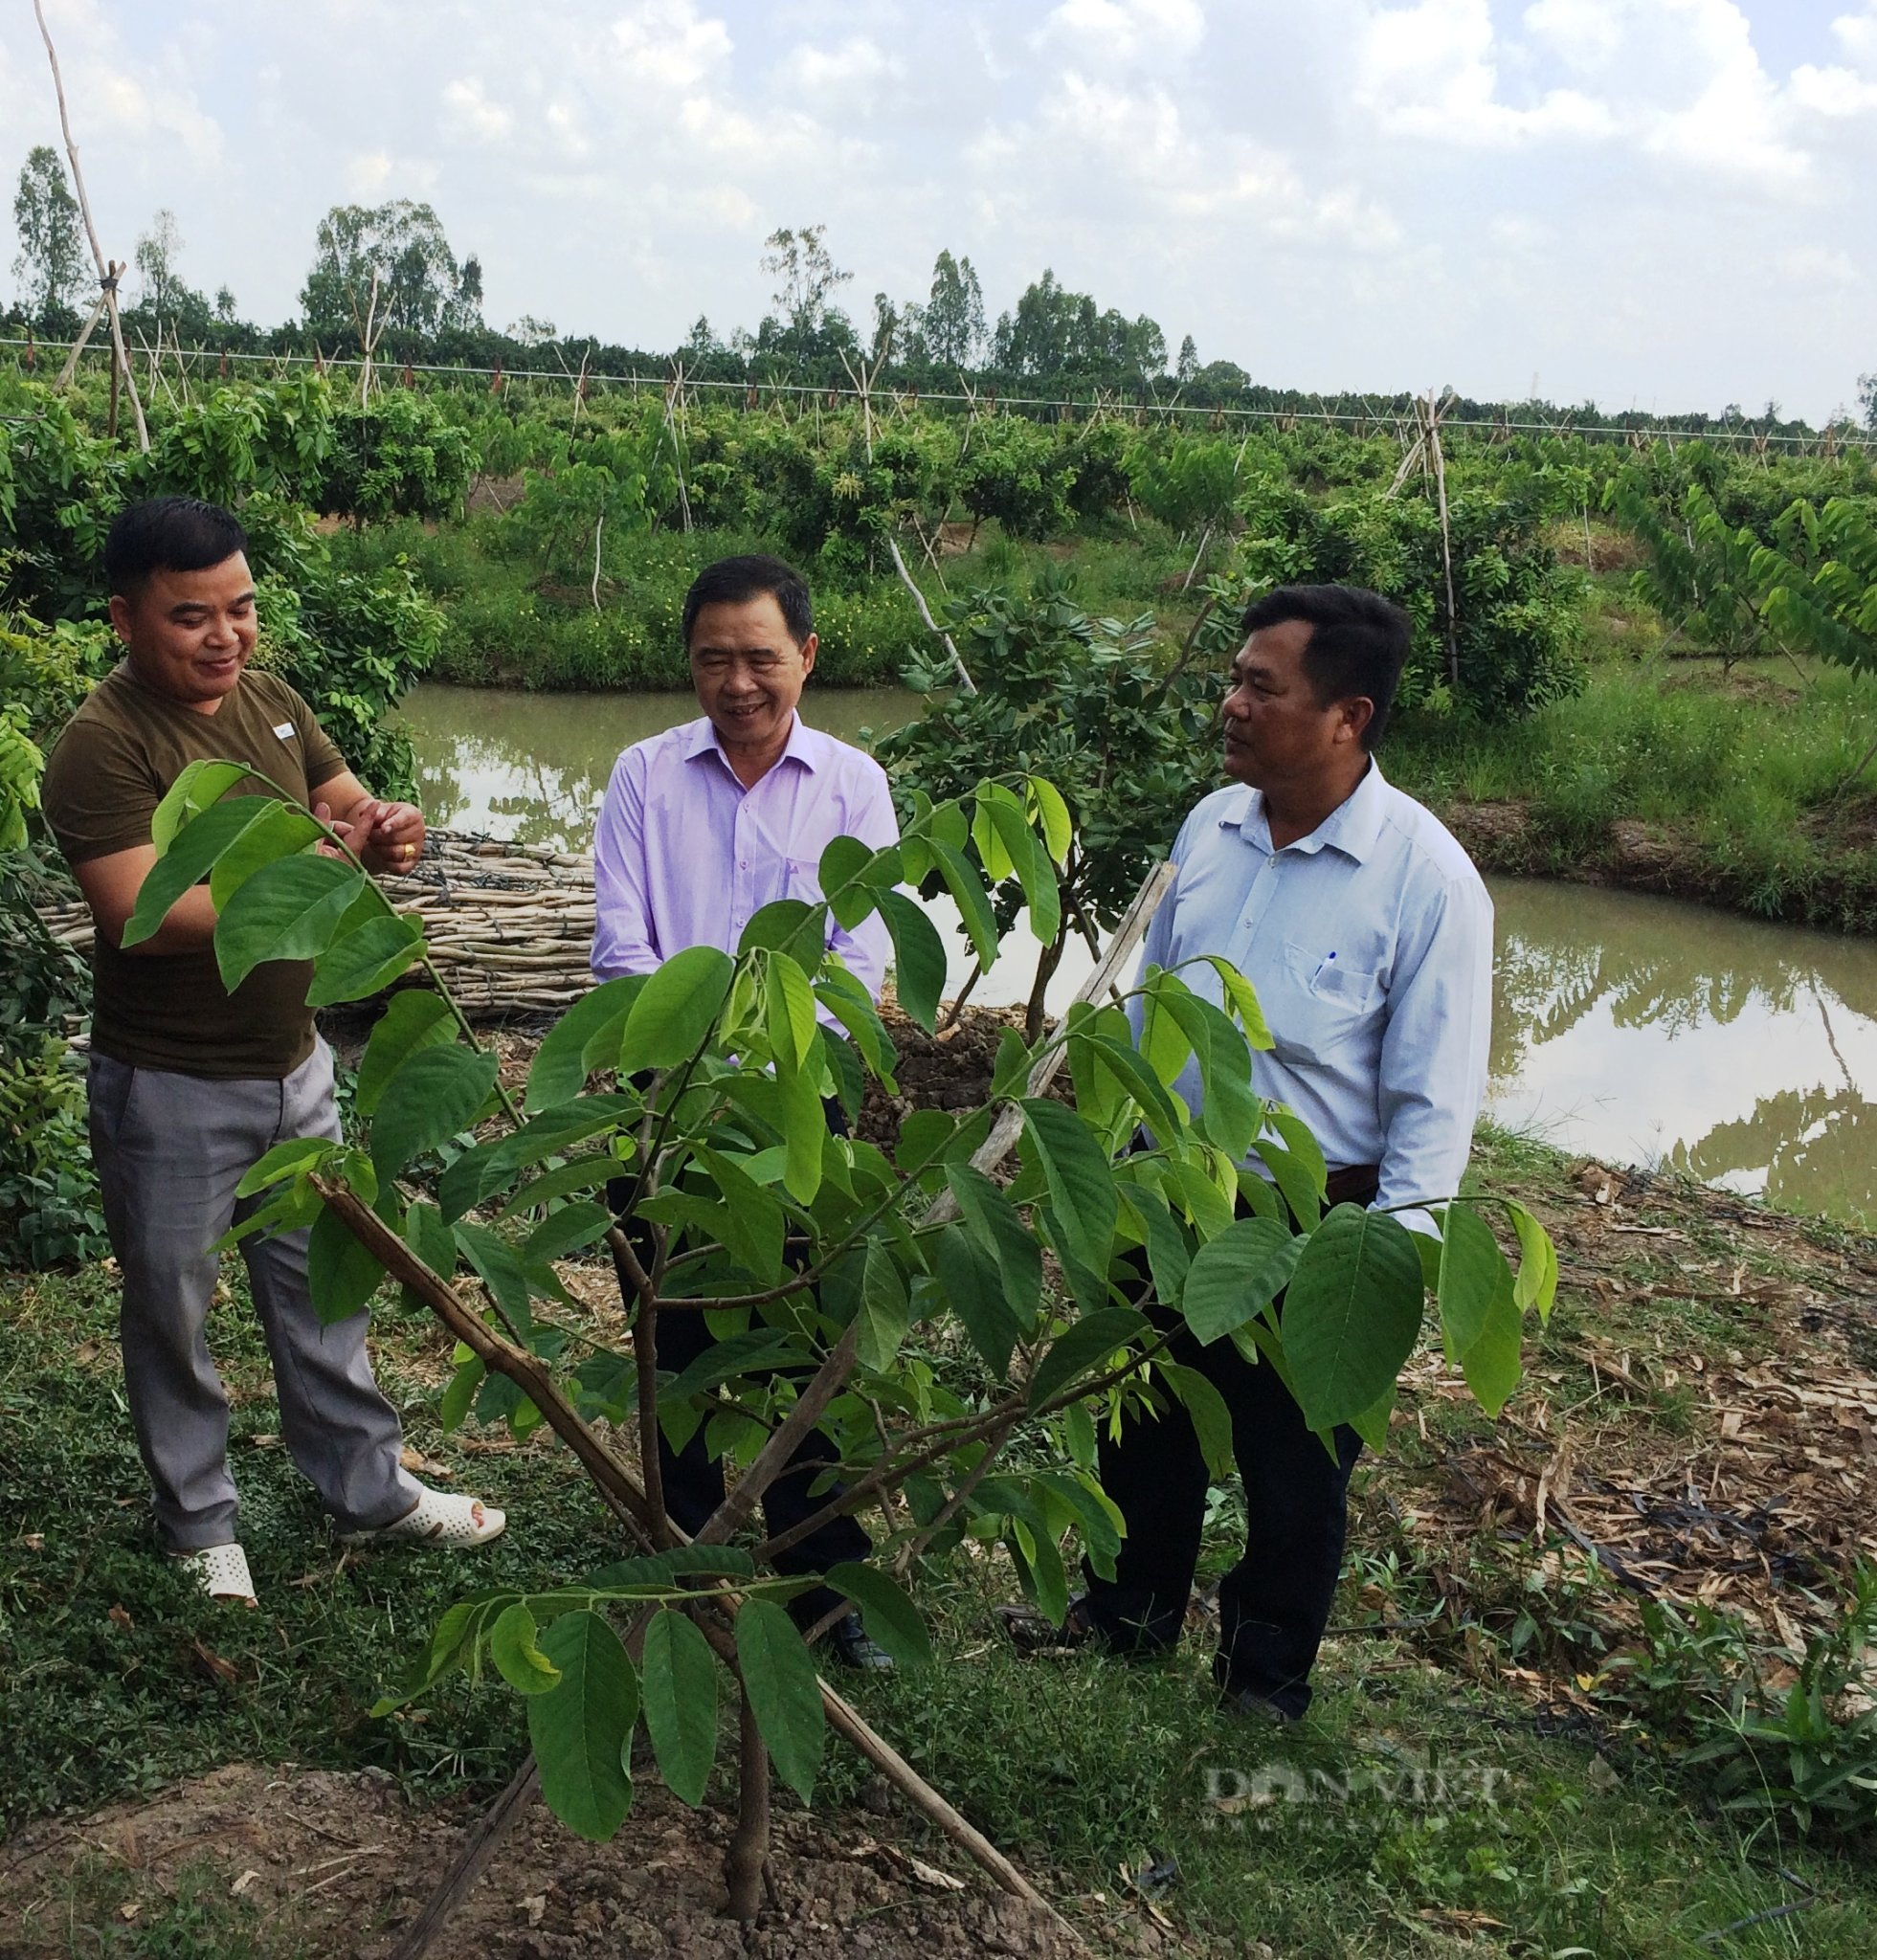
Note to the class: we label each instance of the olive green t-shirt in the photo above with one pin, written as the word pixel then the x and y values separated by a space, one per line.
pixel 110 768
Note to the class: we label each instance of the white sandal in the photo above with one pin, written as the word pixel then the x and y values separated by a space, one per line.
pixel 221 1571
pixel 440 1517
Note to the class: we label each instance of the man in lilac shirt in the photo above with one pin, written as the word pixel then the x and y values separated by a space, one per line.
pixel 701 828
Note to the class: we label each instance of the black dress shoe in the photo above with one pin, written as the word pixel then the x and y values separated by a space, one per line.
pixel 1249 1706
pixel 847 1643
pixel 1031 1631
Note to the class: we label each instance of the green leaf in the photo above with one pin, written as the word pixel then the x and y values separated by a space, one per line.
pixel 1480 1320
pixel 968 1279
pixel 1082 1195
pixel 1536 1284
pixel 568 1230
pixel 750 1221
pixel 973 903
pixel 888 1615
pixel 1305 1149
pixel 993 849
pixel 288 910
pixel 994 1223
pixel 520 1663
pixel 341 1275
pixel 776 926
pixel 676 1009
pixel 1243 999
pixel 499 1266
pixel 1169 1257
pixel 436 1093
pixel 1034 871
pixel 191 855
pixel 804 1126
pixel 1293 1178
pixel 886 1312
pixel 580 1727
pixel 1351 1313
pixel 285 1160
pixel 1371 1425
pixel 790 1012
pixel 366 961
pixel 918 958
pixel 778 1677
pixel 847 863
pixel 851 1005
pixel 681 1702
pixel 586 1038
pixel 1237 1274
pixel 280 831
pixel 414 1019
pixel 427 1236
pixel 1087 1343
pixel 1058 833
pixel 199 788
pixel 1212 1421
pixel 454 1409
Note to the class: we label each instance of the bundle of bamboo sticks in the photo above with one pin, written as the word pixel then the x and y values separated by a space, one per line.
pixel 508 926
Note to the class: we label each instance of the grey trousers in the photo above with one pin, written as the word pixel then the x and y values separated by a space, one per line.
pixel 170 1150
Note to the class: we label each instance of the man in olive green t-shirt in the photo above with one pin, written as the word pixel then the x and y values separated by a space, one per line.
pixel 190 1085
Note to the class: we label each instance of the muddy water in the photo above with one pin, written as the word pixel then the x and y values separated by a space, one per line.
pixel 1636 1029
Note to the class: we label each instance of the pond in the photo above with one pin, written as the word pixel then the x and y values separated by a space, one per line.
pixel 1635 1029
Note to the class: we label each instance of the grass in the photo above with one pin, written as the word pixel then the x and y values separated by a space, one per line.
pixel 1452 1790
pixel 1735 780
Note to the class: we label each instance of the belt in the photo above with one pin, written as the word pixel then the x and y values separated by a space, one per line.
pixel 1354 1184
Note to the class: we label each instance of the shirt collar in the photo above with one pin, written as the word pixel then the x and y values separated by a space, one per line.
pixel 806 746
pixel 1352 828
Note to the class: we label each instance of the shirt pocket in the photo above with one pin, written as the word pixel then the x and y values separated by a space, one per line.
pixel 1318 1007
pixel 801 879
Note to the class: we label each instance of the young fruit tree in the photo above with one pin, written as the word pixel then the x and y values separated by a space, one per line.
pixel 920 1315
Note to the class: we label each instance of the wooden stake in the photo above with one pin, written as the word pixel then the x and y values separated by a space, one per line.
pixel 107 271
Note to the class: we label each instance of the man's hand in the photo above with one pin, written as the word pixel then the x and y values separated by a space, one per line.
pixel 387 838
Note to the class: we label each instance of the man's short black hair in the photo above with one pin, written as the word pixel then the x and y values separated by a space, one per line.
pixel 735 581
pixel 1358 643
pixel 168 534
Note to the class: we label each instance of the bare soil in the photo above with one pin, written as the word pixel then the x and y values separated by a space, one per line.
pixel 334 1863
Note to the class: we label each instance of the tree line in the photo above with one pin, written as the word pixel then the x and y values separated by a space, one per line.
pixel 387 276
pixel 384 279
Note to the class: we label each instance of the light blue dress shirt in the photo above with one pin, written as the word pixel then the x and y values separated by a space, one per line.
pixel 1370 945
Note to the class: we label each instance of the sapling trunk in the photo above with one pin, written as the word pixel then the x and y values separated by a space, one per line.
pixel 748 1856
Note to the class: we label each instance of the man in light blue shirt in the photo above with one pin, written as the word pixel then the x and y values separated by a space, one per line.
pixel 1368 936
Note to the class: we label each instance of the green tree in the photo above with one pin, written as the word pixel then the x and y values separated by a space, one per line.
pixel 1055 332
pixel 51 252
pixel 806 278
pixel 172 303
pixel 1188 364
pixel 853 1273
pixel 951 320
pixel 421 289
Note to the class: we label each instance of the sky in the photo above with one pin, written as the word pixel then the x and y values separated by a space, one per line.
pixel 1660 204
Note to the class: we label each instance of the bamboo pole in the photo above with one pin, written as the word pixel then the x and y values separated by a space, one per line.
pixel 107 270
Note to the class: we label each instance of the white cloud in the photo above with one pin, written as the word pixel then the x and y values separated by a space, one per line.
pixel 469 111
pixel 1118 33
pixel 665 44
pixel 1818 265
pixel 853 71
pixel 1431 69
pixel 1832 91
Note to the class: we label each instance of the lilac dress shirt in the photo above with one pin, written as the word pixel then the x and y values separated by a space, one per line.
pixel 684 855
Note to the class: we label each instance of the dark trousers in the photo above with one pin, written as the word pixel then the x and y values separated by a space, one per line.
pixel 694 1481
pixel 1274 1604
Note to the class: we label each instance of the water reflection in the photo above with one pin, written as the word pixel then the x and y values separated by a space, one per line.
pixel 533 767
pixel 1646 1029
pixel 1635 1029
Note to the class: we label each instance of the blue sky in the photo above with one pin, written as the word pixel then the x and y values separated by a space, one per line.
pixel 1665 203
